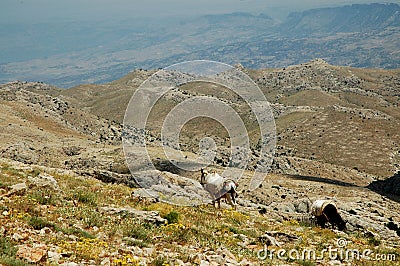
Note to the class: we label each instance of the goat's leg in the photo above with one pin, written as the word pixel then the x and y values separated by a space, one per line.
pixel 233 195
pixel 230 197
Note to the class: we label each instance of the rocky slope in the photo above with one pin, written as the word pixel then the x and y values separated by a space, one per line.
pixel 337 139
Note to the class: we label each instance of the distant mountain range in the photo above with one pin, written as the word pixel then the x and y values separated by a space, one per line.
pixel 71 53
pixel 355 18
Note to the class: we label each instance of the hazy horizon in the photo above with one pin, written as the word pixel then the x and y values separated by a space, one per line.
pixel 87 41
pixel 44 10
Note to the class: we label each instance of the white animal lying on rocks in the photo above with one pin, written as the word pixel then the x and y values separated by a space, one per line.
pixel 219 188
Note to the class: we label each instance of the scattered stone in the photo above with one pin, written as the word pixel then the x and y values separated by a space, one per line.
pixel 148 251
pixel 302 206
pixel 282 237
pixel 226 253
pixel 269 240
pixel 53 256
pixel 17 189
pixel 32 254
pixel 204 263
pixel 18 237
pixel 45 231
pixel 114 178
pixel 334 263
pixel 43 181
pixel 148 216
pixel 72 150
pixel 69 264
pixel 106 262
pixel 141 196
pixel 245 262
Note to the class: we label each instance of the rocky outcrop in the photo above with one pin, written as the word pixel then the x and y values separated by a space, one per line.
pixel 390 186
pixel 148 216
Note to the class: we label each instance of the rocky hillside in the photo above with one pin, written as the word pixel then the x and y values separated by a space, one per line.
pixel 62 164
pixel 354 18
pixel 346 118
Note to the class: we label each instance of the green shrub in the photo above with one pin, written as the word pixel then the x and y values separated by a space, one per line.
pixel 306 263
pixel 159 261
pixel 38 223
pixel 86 197
pixel 92 218
pixel 373 241
pixel 7 248
pixel 172 217
pixel 136 230
pixel 73 231
pixel 7 253
pixel 44 197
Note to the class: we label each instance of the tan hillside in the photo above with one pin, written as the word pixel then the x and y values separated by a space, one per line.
pixel 67 195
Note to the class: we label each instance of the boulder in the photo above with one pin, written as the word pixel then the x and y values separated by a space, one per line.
pixel 17 189
pixel 33 254
pixel 43 181
pixel 148 216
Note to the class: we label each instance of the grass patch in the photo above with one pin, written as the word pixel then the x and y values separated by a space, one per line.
pixel 160 261
pixel 172 217
pixel 306 263
pixel 74 231
pixel 44 197
pixel 136 243
pixel 9 261
pixel 38 223
pixel 7 253
pixel 373 241
pixel 7 248
pixel 86 197
pixel 137 230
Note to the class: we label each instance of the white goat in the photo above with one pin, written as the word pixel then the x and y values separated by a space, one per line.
pixel 219 188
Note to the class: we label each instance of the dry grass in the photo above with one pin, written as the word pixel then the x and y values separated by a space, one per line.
pixel 201 227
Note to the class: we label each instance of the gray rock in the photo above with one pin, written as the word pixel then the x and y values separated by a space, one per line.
pixel 21 152
pixel 17 189
pixel 302 206
pixel 114 178
pixel 53 256
pixel 43 181
pixel 269 240
pixel 148 216
pixel 173 188
pixel 245 262
pixel 69 264
pixel 17 237
pixel 204 263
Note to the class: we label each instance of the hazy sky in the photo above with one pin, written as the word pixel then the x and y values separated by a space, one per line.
pixel 43 10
